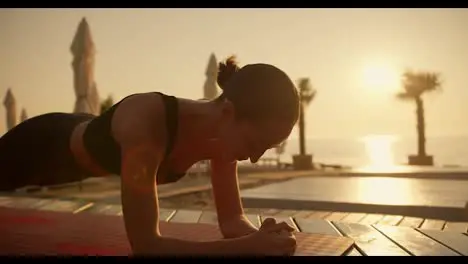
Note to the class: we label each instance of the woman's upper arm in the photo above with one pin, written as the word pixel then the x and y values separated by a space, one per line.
pixel 142 148
pixel 139 167
pixel 133 126
pixel 139 195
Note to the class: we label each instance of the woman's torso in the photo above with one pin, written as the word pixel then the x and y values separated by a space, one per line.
pixel 97 150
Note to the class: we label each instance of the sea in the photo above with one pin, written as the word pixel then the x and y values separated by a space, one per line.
pixel 448 151
pixel 378 153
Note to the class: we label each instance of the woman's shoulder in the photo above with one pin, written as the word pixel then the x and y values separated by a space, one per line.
pixel 137 116
pixel 142 103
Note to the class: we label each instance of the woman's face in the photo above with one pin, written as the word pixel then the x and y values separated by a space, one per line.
pixel 242 140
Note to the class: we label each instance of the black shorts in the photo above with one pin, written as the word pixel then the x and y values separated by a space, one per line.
pixel 37 152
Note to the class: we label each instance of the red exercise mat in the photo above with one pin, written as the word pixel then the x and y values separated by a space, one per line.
pixel 31 232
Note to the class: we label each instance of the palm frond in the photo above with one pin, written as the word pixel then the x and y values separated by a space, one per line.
pixel 306 92
pixel 417 83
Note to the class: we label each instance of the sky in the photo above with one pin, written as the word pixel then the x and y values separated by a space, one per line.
pixel 353 57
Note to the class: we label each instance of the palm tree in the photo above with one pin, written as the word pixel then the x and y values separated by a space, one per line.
pixel 107 103
pixel 415 84
pixel 306 95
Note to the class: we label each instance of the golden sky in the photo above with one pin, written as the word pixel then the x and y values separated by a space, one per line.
pixel 352 56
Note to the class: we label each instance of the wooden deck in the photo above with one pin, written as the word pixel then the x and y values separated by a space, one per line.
pixel 373 234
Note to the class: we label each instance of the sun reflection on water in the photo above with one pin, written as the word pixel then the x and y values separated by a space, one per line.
pixel 390 191
pixel 379 150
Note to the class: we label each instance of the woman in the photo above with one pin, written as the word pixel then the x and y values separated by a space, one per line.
pixel 154 138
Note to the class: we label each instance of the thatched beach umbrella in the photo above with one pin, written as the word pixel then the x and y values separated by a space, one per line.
pixel 210 88
pixel 24 115
pixel 10 108
pixel 83 50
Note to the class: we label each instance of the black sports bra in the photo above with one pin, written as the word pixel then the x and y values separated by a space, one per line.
pixel 103 148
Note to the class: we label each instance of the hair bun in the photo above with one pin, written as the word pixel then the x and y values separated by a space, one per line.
pixel 226 70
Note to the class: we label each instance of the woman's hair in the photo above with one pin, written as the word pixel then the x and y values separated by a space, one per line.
pixel 258 91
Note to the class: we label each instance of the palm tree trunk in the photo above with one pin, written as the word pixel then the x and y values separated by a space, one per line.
pixel 421 127
pixel 302 147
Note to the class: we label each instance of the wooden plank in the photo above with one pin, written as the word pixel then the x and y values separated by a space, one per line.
pixel 354 253
pixel 25 202
pixel 84 208
pixel 390 220
pixel 319 214
pixel 270 211
pixel 286 213
pixel 370 241
pixel 316 226
pixel 64 206
pixel 252 211
pixel 433 224
pixel 185 216
pixel 107 209
pixel 280 219
pixel 336 216
pixel 460 227
pixel 165 214
pixel 303 214
pixel 415 242
pixel 413 222
pixel 453 240
pixel 371 219
pixel 353 218
pixel 254 219
pixel 208 217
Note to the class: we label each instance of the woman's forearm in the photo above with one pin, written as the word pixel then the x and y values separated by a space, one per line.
pixel 140 212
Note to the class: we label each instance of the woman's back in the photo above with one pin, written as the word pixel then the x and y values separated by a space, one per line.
pixel 141 109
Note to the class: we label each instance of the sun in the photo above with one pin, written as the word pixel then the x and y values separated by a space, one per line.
pixel 380 77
